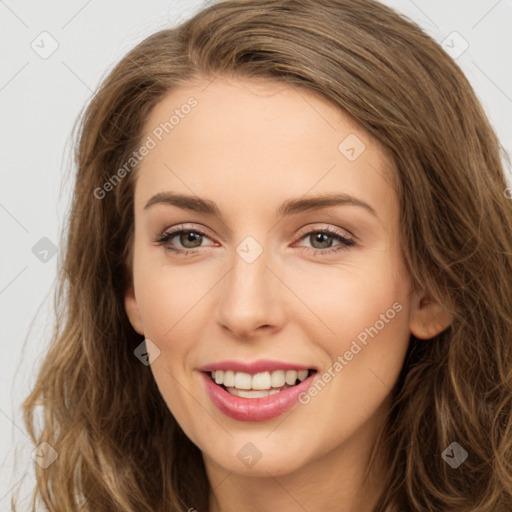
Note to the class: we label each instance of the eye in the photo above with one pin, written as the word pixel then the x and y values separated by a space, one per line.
pixel 190 239
pixel 322 241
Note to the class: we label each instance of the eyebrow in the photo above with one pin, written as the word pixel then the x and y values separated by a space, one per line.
pixel 289 207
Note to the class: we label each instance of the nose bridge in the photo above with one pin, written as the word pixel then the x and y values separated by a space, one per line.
pixel 249 297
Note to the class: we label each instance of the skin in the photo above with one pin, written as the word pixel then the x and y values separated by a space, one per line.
pixel 248 146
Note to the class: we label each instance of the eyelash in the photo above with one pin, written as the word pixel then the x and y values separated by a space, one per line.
pixel 344 244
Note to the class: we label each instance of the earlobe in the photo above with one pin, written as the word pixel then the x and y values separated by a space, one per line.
pixel 132 310
pixel 428 318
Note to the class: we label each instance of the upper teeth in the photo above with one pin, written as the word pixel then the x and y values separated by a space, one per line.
pixel 263 380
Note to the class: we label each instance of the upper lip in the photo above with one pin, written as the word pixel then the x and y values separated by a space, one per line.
pixel 253 367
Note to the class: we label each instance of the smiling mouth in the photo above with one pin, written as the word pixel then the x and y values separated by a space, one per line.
pixel 259 385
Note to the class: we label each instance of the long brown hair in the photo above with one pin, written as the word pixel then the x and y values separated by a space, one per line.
pixel 119 446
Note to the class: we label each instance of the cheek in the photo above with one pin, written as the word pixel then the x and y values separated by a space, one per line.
pixel 369 316
pixel 169 303
pixel 372 336
pixel 352 296
pixel 167 294
pixel 366 310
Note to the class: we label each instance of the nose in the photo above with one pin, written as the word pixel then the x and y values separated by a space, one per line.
pixel 250 299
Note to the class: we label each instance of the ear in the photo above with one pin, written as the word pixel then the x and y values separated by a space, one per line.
pixel 132 310
pixel 427 317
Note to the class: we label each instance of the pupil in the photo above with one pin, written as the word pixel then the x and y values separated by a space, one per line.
pixel 189 236
pixel 321 238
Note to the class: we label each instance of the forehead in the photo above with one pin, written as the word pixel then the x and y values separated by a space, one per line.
pixel 257 139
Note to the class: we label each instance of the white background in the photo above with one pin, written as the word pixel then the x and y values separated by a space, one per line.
pixel 40 100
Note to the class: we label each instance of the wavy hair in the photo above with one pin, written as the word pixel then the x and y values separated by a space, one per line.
pixel 119 446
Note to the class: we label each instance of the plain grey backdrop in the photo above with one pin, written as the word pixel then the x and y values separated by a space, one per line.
pixel 54 55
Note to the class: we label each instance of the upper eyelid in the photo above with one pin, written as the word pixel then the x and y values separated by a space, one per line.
pixel 330 229
pixel 178 229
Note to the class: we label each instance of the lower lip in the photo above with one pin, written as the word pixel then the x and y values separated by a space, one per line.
pixel 255 409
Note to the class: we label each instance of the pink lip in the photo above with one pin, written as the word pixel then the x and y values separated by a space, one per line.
pixel 255 409
pixel 262 365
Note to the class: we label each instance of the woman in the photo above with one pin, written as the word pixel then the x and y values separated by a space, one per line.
pixel 287 276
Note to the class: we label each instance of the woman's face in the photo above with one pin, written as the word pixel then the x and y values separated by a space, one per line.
pixel 276 278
